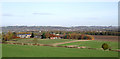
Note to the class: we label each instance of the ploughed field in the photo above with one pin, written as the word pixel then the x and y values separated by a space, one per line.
pixel 106 38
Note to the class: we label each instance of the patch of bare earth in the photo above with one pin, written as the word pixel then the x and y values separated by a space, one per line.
pixel 55 44
pixel 106 38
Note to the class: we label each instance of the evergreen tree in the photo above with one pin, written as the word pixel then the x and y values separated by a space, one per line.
pixel 32 36
pixel 43 36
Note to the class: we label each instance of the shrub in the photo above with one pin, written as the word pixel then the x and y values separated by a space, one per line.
pixel 32 36
pixel 90 37
pixel 105 46
pixel 85 37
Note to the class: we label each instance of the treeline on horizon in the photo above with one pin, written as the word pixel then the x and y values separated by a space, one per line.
pixel 112 33
pixel 64 34
pixel 46 35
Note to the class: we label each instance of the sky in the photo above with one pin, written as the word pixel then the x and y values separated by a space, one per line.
pixel 59 13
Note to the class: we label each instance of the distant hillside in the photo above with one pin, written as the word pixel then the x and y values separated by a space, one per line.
pixel 51 28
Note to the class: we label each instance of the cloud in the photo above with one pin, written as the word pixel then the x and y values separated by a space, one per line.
pixel 11 15
pixel 7 15
pixel 42 13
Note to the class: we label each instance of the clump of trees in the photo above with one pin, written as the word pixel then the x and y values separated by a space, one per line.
pixel 78 36
pixel 102 33
pixel 67 35
pixel 64 34
pixel 47 34
pixel 9 36
pixel 43 36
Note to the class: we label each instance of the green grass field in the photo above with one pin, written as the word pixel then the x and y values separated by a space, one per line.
pixel 9 50
pixel 41 41
pixel 46 51
pixel 93 44
pixel 0 51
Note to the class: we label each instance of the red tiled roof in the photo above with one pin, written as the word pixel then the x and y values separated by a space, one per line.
pixel 52 35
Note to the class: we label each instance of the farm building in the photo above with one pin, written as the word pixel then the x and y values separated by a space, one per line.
pixel 24 35
pixel 52 36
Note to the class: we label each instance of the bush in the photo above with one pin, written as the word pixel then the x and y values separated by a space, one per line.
pixel 105 46
pixel 85 37
pixel 90 37
pixel 32 36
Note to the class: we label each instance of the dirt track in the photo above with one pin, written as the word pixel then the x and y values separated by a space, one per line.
pixel 55 44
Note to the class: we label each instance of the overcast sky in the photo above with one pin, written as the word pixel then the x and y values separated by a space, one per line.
pixel 59 13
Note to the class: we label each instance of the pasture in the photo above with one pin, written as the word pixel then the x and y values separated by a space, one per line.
pixel 40 41
pixel 46 51
pixel 92 44
pixel 9 50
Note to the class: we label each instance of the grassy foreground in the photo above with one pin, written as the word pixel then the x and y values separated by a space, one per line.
pixel 46 51
pixel 0 51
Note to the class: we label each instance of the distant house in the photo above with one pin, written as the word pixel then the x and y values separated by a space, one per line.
pixel 52 36
pixel 24 35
